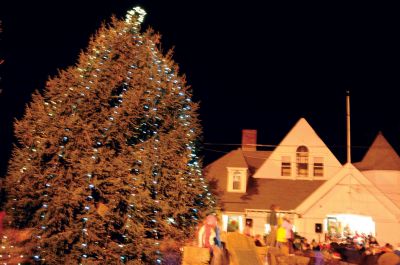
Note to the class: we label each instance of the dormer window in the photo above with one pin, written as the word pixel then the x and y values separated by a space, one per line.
pixel 237 179
pixel 302 161
pixel 286 169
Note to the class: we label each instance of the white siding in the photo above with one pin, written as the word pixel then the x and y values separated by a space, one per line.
pixel 301 134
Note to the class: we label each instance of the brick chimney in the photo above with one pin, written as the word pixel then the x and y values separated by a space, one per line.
pixel 249 140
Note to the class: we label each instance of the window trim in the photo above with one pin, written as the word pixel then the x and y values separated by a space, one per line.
pixel 302 157
pixel 236 181
pixel 318 166
pixel 286 166
pixel 243 179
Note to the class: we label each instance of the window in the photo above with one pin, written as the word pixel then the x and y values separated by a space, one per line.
pixel 236 180
pixel 302 161
pixel 286 166
pixel 233 223
pixel 318 166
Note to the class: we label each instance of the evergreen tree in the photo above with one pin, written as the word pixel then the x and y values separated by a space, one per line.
pixel 105 168
pixel 2 192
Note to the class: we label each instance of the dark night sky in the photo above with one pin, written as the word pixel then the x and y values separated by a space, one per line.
pixel 251 65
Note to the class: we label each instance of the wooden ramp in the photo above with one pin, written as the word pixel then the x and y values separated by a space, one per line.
pixel 242 250
pixel 195 256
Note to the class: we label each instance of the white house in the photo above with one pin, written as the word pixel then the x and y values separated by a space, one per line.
pixel 305 179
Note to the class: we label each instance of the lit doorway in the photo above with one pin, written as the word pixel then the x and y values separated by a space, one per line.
pixel 348 225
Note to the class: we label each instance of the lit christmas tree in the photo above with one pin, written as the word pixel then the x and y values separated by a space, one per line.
pixel 105 168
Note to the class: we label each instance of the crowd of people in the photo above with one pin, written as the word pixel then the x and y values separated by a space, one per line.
pixel 281 230
pixel 354 249
pixel 368 252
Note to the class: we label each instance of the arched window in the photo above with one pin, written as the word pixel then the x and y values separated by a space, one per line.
pixel 302 161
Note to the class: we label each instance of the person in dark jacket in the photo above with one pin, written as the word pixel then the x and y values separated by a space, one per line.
pixel 273 223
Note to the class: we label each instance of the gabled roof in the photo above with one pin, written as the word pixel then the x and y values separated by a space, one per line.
pixel 236 159
pixel 217 173
pixel 261 193
pixel 302 134
pixel 255 159
pixel 380 156
pixel 359 182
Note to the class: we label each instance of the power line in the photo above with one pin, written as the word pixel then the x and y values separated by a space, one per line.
pixel 261 158
pixel 360 183
pixel 276 145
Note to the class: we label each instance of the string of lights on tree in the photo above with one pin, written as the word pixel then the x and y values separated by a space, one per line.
pixel 151 104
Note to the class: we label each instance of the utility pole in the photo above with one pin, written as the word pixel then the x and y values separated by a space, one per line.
pixel 348 126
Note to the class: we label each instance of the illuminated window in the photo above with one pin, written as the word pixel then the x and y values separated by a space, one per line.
pixel 318 166
pixel 302 161
pixel 234 223
pixel 286 166
pixel 236 180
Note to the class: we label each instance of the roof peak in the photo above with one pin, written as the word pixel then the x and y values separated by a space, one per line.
pixel 380 156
